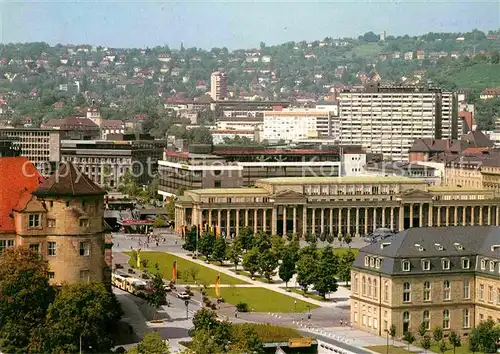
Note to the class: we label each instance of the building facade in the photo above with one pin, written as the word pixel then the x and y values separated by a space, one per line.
pixel 218 85
pixel 446 277
pixel 336 205
pixel 387 120
pixel 40 146
pixel 62 218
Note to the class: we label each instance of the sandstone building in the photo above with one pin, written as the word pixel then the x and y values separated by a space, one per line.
pixel 61 217
pixel 445 277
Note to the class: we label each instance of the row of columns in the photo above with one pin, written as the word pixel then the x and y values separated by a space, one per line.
pixel 389 216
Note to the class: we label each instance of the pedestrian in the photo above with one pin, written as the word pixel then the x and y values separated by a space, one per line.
pixel 341 323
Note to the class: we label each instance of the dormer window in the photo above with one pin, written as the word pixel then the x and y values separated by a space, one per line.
pixel 465 263
pixel 377 263
pixel 445 263
pixel 372 262
pixel 458 246
pixel 367 261
pixel 426 264
pixel 492 266
pixel 483 264
pixel 419 247
pixel 439 246
pixel 34 221
pixel 405 265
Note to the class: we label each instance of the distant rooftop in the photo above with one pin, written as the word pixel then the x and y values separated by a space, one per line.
pixel 327 180
pixel 230 191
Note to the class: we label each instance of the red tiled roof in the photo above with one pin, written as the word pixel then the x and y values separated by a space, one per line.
pixel 112 123
pixel 18 178
pixel 70 122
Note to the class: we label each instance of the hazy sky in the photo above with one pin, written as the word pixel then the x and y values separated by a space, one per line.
pixel 234 24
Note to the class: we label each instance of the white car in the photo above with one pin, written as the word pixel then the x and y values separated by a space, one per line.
pixel 183 295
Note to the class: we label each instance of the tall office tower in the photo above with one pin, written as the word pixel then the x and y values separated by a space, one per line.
pixel 218 85
pixel 387 119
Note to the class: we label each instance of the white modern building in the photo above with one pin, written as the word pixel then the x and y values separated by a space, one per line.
pixel 296 123
pixel 218 85
pixel 387 120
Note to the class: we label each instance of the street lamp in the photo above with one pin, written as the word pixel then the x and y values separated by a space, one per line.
pixel 187 305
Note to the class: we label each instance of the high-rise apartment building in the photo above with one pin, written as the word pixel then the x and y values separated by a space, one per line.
pixel 218 85
pixel 387 119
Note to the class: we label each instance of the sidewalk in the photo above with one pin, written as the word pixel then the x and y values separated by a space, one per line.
pixel 273 287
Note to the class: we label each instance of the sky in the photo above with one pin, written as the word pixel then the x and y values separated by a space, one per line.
pixel 234 23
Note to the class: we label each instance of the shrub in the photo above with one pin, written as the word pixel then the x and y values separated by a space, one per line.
pixel 144 263
pixel 242 307
pixel 269 333
pixel 145 276
pixel 213 306
pixel 131 271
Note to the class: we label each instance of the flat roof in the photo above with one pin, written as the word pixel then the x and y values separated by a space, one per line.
pixel 360 179
pixel 229 191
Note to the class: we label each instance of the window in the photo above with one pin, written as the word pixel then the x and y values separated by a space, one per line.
pixel 35 247
pixel 466 321
pixel 355 285
pixel 466 289
pixel 363 286
pixel 426 320
pixel 377 263
pixel 84 249
pixel 406 292
pixel 492 266
pixel 483 264
pixel 51 275
pixel 406 266
pixel 84 222
pixel 51 248
pixel 481 292
pixel 5 243
pixel 372 262
pixel 465 263
pixel 369 287
pixel 375 289
pixel 217 183
pixel 490 294
pixel 51 222
pixel 446 264
pixel 386 291
pixel 367 261
pixel 34 221
pixel 427 291
pixel 426 264
pixel 84 276
pixel 446 290
pixel 67 204
pixel 446 319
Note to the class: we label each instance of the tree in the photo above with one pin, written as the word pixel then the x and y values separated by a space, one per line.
pixel 220 250
pixel 422 329
pixel 157 293
pixel 245 237
pixel 191 239
pixel 152 343
pixel 437 334
pixel 268 261
pixel 345 264
pixel 262 241
pixel 409 338
pixel 495 57
pixel 392 332
pixel 306 270
pixel 234 253
pixel 251 261
pixel 204 343
pixel 330 238
pixel 159 222
pixel 348 239
pixel 247 340
pixel 204 319
pixel 454 340
pixel 324 280
pixel 171 208
pixel 25 295
pixel 426 343
pixel 206 244
pixel 442 347
pixel 286 269
pixel 81 311
pixel 484 337
pixel 278 245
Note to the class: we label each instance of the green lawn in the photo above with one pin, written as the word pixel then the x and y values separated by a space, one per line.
pixel 307 295
pixel 261 300
pixel 165 263
pixel 366 50
pixel 340 251
pixel 383 349
pixel 269 333
pixel 464 349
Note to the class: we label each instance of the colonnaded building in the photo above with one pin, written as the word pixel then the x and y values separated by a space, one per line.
pixel 335 205
pixel 446 277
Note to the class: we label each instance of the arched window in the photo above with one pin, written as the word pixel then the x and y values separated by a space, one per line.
pixel 363 286
pixel 356 284
pixel 406 321
pixel 406 292
pixel 375 289
pixel 446 290
pixel 426 320
pixel 427 291
pixel 369 287
pixel 386 291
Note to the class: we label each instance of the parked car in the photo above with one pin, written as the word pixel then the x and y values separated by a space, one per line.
pixel 167 288
pixel 183 295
